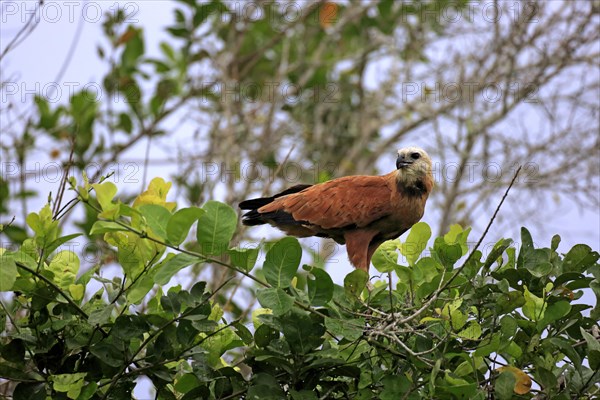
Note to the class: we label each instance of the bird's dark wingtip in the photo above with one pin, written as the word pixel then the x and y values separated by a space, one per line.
pixel 252 218
pixel 253 204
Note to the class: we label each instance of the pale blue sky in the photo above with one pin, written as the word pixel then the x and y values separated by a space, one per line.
pixel 34 65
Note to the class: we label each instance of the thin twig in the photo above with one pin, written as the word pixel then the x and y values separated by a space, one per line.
pixel 443 287
pixel 464 264
pixel 63 183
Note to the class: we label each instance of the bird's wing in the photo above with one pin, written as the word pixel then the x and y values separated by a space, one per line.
pixel 343 202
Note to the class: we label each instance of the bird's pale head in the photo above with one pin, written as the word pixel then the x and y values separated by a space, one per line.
pixel 413 164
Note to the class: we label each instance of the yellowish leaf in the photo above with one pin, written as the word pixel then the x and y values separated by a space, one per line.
pixel 156 194
pixel 327 14
pixel 522 380
pixel 77 291
pixel 127 36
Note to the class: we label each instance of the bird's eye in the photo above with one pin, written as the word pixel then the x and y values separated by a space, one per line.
pixel 415 156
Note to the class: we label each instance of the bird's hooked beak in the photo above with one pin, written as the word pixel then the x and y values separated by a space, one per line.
pixel 402 161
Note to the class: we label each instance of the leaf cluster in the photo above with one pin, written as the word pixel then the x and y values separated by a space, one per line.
pixel 439 325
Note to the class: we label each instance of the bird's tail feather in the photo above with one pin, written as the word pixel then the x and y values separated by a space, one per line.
pixel 253 217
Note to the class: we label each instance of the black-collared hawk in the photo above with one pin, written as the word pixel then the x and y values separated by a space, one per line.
pixel 359 211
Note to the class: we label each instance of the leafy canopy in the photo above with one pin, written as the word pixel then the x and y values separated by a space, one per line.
pixel 435 327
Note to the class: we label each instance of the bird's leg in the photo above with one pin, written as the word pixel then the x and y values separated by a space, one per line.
pixel 357 245
pixel 373 246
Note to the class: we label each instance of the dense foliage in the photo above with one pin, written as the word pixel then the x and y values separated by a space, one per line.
pixel 445 322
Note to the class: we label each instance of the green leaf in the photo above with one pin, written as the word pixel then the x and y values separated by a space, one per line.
pixel 513 350
pixel 244 259
pixel 172 265
pixel 88 391
pixel 134 47
pixel 48 119
pixel 218 344
pixel 580 258
pixel 243 332
pixel 394 386
pixel 64 266
pixel 83 109
pixel 385 258
pixel 265 387
pixel 8 273
pixel 534 306
pixel 70 383
pixel 303 395
pixel 510 301
pixel 127 327
pixel 157 218
pixel 554 312
pixel 125 122
pixel 471 332
pixel 108 353
pixel 186 382
pixel 45 228
pixel 264 334
pixel 451 312
pixel 351 329
pixel 14 351
pixel 105 192
pixel 508 326
pixel 15 233
pixel 167 50
pixel 137 291
pixel 415 242
pixel 355 282
pixel 275 299
pixel 555 242
pixel 526 246
pixel 60 241
pixel 504 385
pixel 425 270
pixel 546 378
pixel 320 289
pixel 489 347
pixel 17 374
pixel 541 269
pixel 180 223
pixel 456 235
pixel 76 291
pixel 537 261
pixel 106 226
pixel 100 316
pixel 594 359
pixel 566 348
pixel 303 332
pixel 205 10
pixel 446 254
pixel 496 252
pixel 216 228
pixel 282 262
pixel 593 344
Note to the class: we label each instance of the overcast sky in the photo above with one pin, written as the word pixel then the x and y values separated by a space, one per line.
pixel 65 43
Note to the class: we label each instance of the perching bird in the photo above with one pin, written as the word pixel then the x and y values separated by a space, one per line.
pixel 359 211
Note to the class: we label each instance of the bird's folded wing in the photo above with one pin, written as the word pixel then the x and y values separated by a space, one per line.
pixel 343 202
